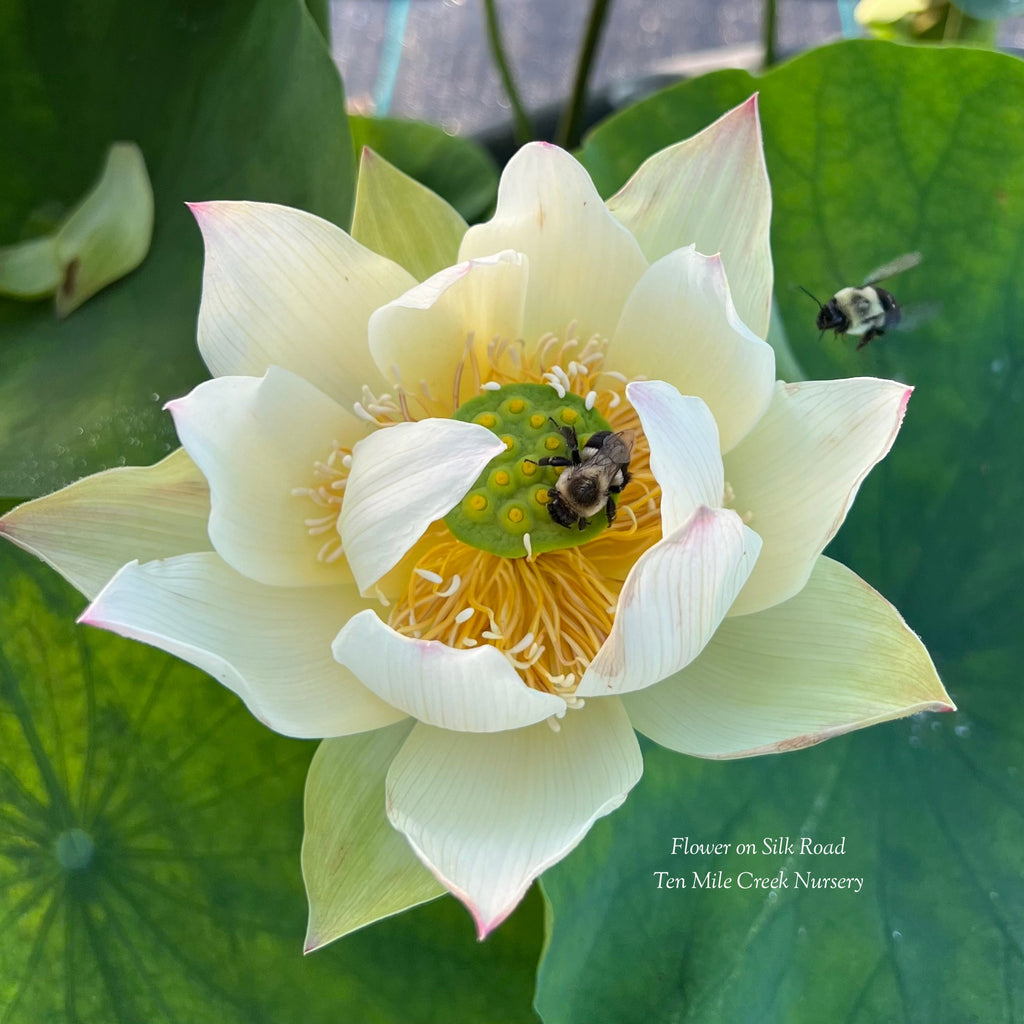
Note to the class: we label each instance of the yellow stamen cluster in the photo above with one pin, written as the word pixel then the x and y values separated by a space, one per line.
pixel 547 616
pixel 637 524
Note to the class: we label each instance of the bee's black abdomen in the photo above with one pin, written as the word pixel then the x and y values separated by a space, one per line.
pixel 890 307
pixel 596 441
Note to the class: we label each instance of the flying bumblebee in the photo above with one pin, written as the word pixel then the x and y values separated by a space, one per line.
pixel 592 474
pixel 866 312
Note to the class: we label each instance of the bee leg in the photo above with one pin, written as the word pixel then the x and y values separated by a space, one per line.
pixel 584 523
pixel 551 460
pixel 617 488
pixel 609 509
pixel 572 442
pixel 875 332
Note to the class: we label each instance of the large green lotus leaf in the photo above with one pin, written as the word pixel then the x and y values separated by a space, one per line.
pixel 873 150
pixel 459 170
pixel 149 854
pixel 231 100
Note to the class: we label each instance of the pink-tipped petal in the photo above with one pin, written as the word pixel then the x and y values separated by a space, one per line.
pixel 284 288
pixel 672 602
pixel 711 191
pixel 488 813
pixel 835 657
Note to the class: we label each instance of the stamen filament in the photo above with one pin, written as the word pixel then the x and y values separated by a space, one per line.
pixel 547 616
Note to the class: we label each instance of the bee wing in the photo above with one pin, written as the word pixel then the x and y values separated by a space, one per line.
pixel 912 317
pixel 619 447
pixel 896 266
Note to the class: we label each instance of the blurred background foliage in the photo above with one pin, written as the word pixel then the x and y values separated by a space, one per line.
pixel 149 829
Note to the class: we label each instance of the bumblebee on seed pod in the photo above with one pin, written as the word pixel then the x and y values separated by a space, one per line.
pixel 866 312
pixel 593 474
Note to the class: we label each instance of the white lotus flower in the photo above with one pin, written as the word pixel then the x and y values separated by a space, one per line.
pixel 373 560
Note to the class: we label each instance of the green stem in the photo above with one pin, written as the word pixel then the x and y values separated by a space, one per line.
pixel 319 11
pixel 570 127
pixel 954 18
pixel 524 130
pixel 963 28
pixel 770 20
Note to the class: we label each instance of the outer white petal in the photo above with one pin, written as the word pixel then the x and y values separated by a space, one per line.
pixel 799 470
pixel 672 602
pixel 422 336
pixel 711 190
pixel 474 690
pixel 284 288
pixel 679 324
pixel 583 263
pixel 88 530
pixel 403 478
pixel 270 645
pixel 488 814
pixel 356 867
pixel 834 658
pixel 685 459
pixel 256 440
